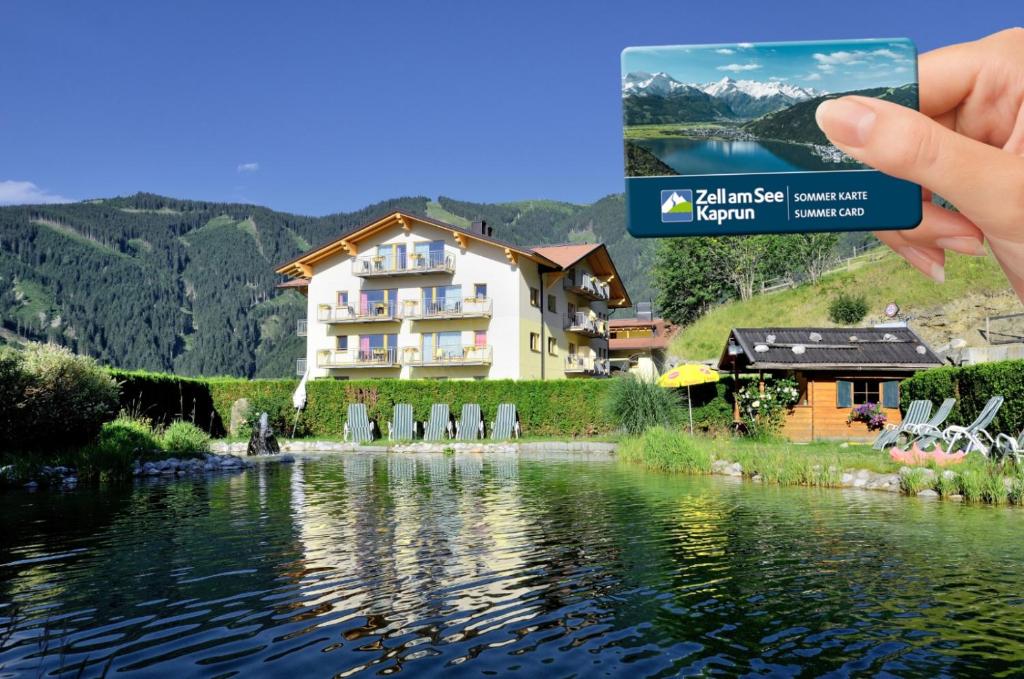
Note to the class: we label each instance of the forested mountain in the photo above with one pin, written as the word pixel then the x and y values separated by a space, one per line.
pixel 188 286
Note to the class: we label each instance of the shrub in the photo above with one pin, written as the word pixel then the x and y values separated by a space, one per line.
pixel 280 414
pixel 55 399
pixel 636 405
pixel 118 445
pixel 169 398
pixel 664 450
pixel 185 438
pixel 972 386
pixel 848 308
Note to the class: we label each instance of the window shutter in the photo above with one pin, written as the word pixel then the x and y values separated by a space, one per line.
pixel 891 394
pixel 844 394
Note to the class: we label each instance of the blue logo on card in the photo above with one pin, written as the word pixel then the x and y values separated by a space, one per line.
pixel 677 205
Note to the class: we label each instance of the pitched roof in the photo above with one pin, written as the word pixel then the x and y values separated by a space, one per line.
pixel 660 337
pixel 556 257
pixel 856 349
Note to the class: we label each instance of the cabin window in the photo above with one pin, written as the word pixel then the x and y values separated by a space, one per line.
pixel 534 297
pixel 534 341
pixel 865 391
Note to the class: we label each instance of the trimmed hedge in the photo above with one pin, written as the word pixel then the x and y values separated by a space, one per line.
pixel 556 408
pixel 972 386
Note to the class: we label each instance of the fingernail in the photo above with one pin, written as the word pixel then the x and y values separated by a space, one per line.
pixel 924 263
pixel 963 244
pixel 845 120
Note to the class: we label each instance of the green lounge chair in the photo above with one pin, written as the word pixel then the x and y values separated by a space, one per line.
pixel 973 435
pixel 470 426
pixel 917 413
pixel 506 423
pixel 439 426
pixel 401 427
pixel 358 428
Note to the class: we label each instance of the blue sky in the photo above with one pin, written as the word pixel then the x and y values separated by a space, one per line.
pixel 315 107
pixel 829 66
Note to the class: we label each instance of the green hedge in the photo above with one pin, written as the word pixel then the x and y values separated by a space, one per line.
pixel 972 386
pixel 166 398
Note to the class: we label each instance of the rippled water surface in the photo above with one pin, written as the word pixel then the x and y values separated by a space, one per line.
pixel 502 566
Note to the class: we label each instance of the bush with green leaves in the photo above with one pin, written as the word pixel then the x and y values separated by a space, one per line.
pixel 280 415
pixel 53 398
pixel 635 405
pixel 972 386
pixel 185 438
pixel 848 308
pixel 118 445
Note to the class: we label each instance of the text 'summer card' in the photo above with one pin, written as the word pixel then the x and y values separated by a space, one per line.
pixel 722 140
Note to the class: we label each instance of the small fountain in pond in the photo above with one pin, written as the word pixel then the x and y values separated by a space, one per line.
pixel 263 441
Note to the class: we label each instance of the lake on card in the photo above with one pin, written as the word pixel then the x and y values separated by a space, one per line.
pixel 502 565
pixel 712 156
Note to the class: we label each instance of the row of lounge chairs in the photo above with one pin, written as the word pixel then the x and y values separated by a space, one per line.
pixel 922 428
pixel 360 428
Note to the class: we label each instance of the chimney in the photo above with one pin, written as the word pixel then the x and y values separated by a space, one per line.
pixel 481 228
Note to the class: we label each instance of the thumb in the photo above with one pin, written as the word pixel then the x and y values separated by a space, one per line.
pixel 983 182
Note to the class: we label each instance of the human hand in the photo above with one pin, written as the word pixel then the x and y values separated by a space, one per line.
pixel 966 144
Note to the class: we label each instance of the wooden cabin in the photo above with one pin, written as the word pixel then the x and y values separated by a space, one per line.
pixel 835 369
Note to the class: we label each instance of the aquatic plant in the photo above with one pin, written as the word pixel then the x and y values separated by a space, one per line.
pixel 185 438
pixel 913 481
pixel 666 450
pixel 947 483
pixel 636 405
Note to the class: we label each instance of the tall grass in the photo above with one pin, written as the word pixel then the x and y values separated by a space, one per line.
pixel 636 405
pixel 914 480
pixel 664 450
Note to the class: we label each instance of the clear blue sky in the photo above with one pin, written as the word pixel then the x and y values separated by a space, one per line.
pixel 833 66
pixel 319 107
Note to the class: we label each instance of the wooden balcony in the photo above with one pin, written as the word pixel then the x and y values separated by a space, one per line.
pixel 358 358
pixel 373 312
pixel 423 310
pixel 582 324
pixel 586 365
pixel 448 356
pixel 378 266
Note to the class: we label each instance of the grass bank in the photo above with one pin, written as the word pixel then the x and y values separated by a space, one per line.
pixel 977 479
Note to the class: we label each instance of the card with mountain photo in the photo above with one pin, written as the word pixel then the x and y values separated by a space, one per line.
pixel 722 139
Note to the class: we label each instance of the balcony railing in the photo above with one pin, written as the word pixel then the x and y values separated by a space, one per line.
pixel 301 327
pixel 587 285
pixel 587 365
pixel 358 358
pixel 582 324
pixel 448 356
pixel 416 263
pixel 300 366
pixel 368 313
pixel 471 307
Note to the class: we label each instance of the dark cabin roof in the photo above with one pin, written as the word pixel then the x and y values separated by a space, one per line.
pixel 856 349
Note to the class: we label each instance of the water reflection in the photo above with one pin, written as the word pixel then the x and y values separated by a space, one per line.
pixel 471 564
pixel 716 156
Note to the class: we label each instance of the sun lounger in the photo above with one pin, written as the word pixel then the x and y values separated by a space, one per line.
pixel 439 426
pixel 358 428
pixel 1010 447
pixel 917 413
pixel 973 435
pixel 470 426
pixel 937 420
pixel 401 427
pixel 506 423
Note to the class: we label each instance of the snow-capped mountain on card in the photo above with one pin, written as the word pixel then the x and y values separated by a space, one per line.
pixel 752 98
pixel 730 98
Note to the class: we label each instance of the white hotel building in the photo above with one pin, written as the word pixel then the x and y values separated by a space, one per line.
pixel 411 297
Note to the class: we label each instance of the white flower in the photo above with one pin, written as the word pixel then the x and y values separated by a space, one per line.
pixel 756 404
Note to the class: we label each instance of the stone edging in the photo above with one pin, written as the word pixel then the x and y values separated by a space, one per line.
pixel 300 446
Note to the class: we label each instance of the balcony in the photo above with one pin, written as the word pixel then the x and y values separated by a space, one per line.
pixel 372 312
pixel 471 307
pixel 586 285
pixel 375 266
pixel 576 364
pixel 448 356
pixel 300 366
pixel 301 327
pixel 358 358
pixel 582 324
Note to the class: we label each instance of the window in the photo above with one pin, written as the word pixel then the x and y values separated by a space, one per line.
pixel 342 342
pixel 572 348
pixel 552 346
pixel 428 254
pixel 534 297
pixel 572 309
pixel 480 338
pixel 865 391
pixel 480 290
pixel 534 341
pixel 552 304
pixel 343 298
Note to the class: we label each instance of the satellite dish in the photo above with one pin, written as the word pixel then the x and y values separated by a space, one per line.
pixel 891 309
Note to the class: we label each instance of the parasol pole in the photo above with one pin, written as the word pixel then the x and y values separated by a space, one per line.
pixel 689 407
